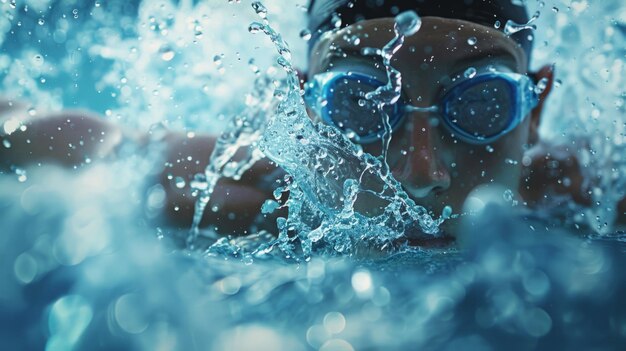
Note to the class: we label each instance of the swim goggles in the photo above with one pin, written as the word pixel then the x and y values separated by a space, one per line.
pixel 477 109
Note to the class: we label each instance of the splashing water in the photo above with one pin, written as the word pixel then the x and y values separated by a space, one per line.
pixel 243 132
pixel 406 24
pixel 339 195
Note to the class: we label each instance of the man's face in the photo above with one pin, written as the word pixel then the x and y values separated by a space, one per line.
pixel 435 168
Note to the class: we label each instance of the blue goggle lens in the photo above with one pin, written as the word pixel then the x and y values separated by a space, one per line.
pixel 347 108
pixel 482 109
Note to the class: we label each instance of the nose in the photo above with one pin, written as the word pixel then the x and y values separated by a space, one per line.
pixel 421 170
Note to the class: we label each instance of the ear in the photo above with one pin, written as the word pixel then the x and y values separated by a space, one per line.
pixel 546 72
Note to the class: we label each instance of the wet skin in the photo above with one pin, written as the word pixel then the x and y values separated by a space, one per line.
pixel 435 168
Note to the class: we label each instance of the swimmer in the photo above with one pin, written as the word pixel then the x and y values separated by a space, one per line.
pixel 484 134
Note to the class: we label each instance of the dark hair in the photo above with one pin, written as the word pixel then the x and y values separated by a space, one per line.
pixel 485 12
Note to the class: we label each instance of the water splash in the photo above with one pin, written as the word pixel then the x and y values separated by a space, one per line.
pixel 511 27
pixel 406 24
pixel 242 133
pixel 339 196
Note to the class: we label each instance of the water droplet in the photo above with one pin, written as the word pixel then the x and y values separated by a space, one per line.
pixel 41 22
pixel 508 195
pixel 198 31
pixel 6 143
pixel 21 175
pixel 255 27
pixel 38 60
pixel 32 111
pixel 11 125
pixel 217 60
pixel 555 9
pixel 470 72
pixel 354 40
pixel 472 40
pixel 489 148
pixel 335 20
pixel 541 86
pixel 511 27
pixel 447 212
pixel 180 182
pixel 305 34
pixel 408 23
pixel 497 25
pixel 253 66
pixel 260 9
pixel 167 53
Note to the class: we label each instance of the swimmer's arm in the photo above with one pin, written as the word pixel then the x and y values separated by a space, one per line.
pixel 234 205
pixel 69 139
pixel 556 170
pixel 76 139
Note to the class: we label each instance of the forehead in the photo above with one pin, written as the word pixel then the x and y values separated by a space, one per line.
pixel 441 42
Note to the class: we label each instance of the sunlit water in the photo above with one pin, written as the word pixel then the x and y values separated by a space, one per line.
pixel 85 270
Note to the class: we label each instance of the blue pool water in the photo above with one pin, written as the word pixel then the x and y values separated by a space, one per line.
pixel 83 268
